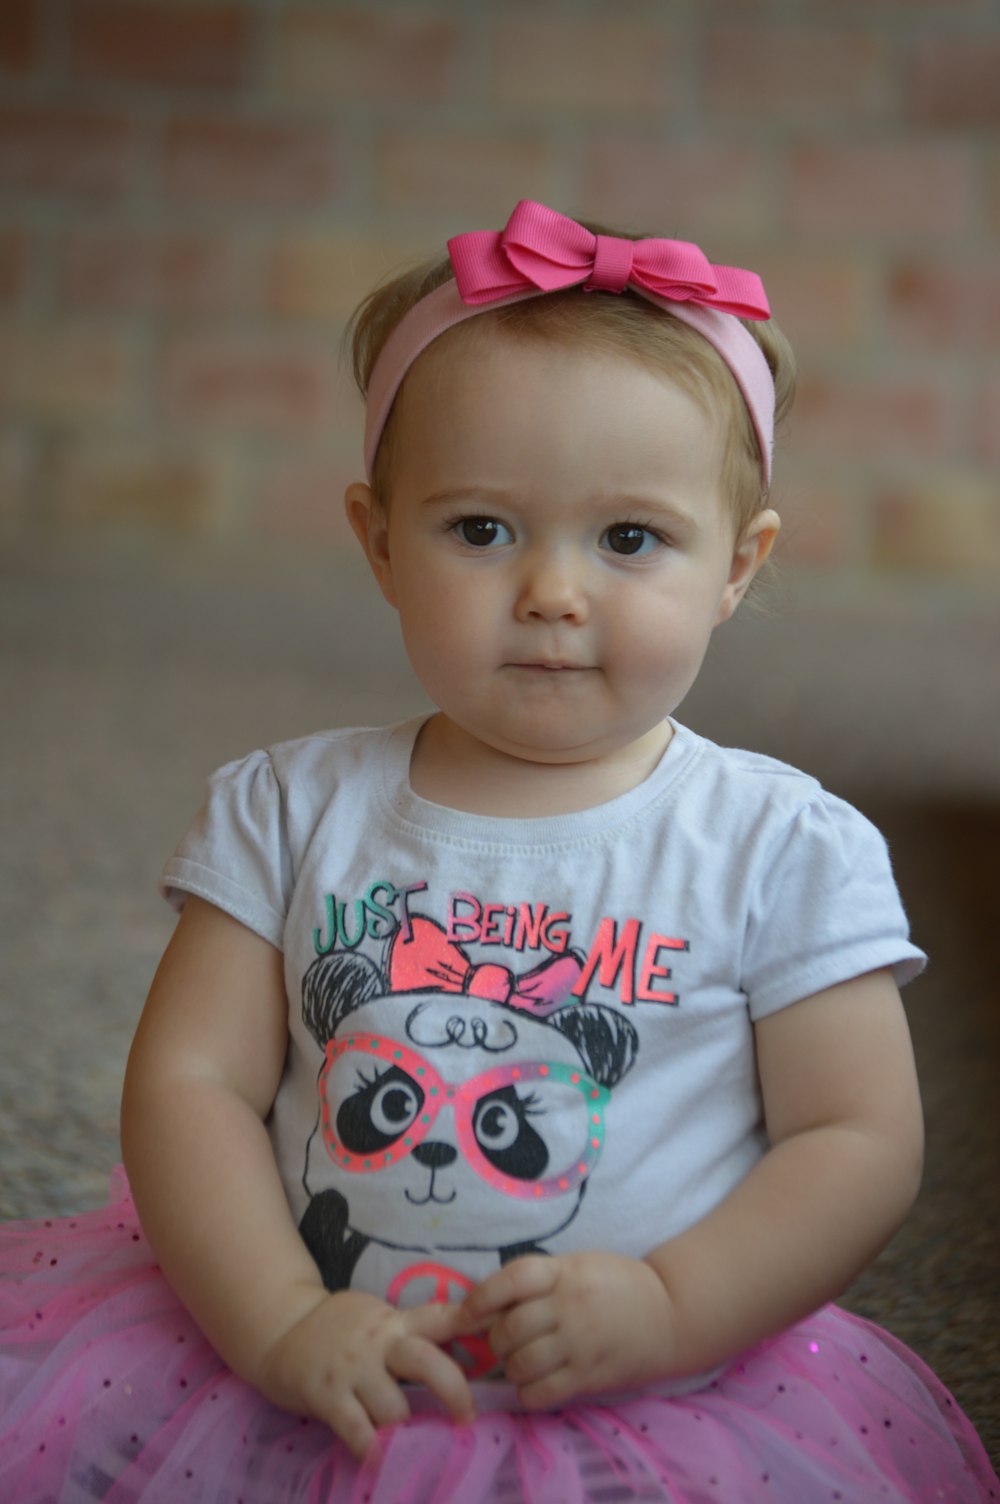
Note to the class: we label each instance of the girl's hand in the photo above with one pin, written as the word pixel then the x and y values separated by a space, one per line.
pixel 342 1363
pixel 580 1323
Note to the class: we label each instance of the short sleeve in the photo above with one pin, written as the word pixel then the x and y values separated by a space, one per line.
pixel 235 854
pixel 825 909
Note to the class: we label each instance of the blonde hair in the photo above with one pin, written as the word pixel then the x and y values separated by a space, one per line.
pixel 625 324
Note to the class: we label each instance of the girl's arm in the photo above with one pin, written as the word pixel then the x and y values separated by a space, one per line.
pixel 844 1120
pixel 843 1115
pixel 201 1078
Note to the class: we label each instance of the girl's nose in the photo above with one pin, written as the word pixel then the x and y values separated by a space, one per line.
pixel 551 589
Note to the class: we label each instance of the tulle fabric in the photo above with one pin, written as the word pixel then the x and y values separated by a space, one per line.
pixel 108 1392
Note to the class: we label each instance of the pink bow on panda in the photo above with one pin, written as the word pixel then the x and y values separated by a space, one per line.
pixel 429 962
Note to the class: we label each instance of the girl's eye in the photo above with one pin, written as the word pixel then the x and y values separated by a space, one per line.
pixel 630 538
pixel 482 532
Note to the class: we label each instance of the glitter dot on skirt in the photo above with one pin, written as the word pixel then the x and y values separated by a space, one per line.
pixel 109 1392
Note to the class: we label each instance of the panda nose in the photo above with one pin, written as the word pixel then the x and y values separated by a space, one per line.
pixel 434 1156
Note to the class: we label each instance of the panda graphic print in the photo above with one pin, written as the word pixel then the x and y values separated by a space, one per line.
pixel 461 1110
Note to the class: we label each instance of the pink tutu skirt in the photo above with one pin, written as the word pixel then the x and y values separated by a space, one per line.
pixel 108 1391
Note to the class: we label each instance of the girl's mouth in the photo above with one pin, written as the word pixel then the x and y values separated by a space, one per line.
pixel 543 666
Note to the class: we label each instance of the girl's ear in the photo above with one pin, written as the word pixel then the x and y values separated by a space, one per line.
pixel 748 556
pixel 370 525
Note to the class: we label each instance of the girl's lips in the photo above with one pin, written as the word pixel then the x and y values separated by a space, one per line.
pixel 551 668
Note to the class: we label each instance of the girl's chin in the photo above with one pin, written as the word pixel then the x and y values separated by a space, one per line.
pixel 557 746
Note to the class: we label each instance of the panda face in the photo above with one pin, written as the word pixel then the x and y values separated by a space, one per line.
pixel 455 1123
pixel 390 1111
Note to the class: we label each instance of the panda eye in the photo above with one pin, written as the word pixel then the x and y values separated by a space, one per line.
pixel 505 1136
pixel 378 1111
pixel 394 1107
pixel 497 1126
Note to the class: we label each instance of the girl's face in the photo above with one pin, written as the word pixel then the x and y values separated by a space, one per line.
pixel 556 543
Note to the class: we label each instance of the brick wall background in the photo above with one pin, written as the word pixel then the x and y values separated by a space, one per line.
pixel 193 194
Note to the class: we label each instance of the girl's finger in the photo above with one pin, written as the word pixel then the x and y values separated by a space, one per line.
pixel 536 1360
pixel 437 1323
pixel 551 1392
pixel 345 1415
pixel 520 1325
pixel 523 1279
pixel 382 1399
pixel 422 1362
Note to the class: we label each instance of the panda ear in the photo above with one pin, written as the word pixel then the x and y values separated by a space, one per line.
pixel 608 1043
pixel 333 987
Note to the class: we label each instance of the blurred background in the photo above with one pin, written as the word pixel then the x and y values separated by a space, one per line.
pixel 193 196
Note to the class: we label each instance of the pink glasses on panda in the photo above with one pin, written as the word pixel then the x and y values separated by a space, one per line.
pixel 388 1114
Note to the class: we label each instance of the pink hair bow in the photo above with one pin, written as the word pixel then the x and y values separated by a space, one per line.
pixel 541 249
pixel 429 961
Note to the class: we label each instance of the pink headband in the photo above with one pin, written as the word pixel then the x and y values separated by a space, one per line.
pixel 541 251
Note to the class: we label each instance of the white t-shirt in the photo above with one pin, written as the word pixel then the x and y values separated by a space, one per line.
pixel 510 1035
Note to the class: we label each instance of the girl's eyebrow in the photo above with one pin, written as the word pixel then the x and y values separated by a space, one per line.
pixel 466 494
pixel 656 508
pixel 615 504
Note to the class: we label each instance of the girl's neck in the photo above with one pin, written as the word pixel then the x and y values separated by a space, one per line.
pixel 452 768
